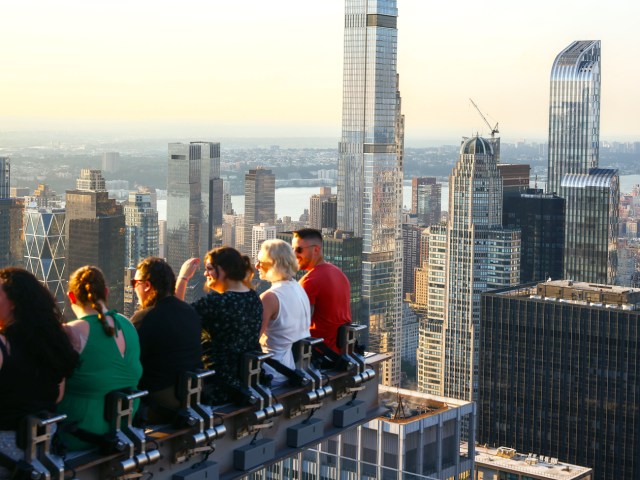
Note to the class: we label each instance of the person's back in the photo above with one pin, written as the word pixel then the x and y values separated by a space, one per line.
pixel 329 293
pixel 109 358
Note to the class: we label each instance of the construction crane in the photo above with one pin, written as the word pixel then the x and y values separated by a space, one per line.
pixel 494 130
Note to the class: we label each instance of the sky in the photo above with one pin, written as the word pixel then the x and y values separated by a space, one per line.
pixel 252 68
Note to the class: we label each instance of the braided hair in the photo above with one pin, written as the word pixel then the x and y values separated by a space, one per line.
pixel 89 287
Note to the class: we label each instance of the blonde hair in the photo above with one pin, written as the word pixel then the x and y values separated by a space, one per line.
pixel 280 254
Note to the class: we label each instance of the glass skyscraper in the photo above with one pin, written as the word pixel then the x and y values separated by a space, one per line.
pixel 370 168
pixel 259 202
pixel 574 112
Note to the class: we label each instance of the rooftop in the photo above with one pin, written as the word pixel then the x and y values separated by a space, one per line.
pixel 538 466
pixel 406 406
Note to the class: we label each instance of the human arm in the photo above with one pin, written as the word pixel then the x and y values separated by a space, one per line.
pixel 187 271
pixel 61 390
pixel 270 309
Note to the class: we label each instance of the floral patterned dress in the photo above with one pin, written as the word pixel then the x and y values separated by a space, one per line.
pixel 230 327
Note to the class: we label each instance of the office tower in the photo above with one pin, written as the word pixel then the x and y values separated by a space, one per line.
pixel 44 197
pixel 541 217
pixel 426 199
pixel 628 261
pixel 574 113
pixel 259 201
pixel 11 220
pixel 259 234
pixel 507 463
pixel 216 210
pixel 430 304
pixel 370 168
pixel 345 252
pixel 411 236
pixel 95 231
pixel 191 167
pixel 45 248
pixel 142 233
pixel 419 438
pixel 409 338
pixel 323 210
pixel 162 238
pixel 591 229
pixel 482 255
pixel 5 177
pixel 515 178
pixel 110 162
pixel 559 375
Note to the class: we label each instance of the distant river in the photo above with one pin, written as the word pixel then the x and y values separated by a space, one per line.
pixel 291 202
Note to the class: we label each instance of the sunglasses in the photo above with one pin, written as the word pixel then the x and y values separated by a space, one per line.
pixel 135 282
pixel 300 249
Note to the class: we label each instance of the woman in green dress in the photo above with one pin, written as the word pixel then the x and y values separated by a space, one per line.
pixel 109 357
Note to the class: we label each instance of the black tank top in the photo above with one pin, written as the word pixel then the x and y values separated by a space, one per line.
pixel 25 387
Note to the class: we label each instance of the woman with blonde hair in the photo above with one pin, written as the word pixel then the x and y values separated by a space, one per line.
pixel 109 357
pixel 286 314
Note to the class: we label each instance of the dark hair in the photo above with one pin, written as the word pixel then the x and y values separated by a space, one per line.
pixel 234 264
pixel 37 322
pixel 88 285
pixel 159 274
pixel 306 233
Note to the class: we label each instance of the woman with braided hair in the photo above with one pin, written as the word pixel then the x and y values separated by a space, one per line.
pixel 109 357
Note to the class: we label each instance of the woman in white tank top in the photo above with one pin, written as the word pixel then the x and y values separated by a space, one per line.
pixel 286 311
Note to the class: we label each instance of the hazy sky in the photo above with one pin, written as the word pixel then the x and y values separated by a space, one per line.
pixel 274 68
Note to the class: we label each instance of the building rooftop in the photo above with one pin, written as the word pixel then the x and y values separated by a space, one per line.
pixel 407 405
pixel 581 293
pixel 537 466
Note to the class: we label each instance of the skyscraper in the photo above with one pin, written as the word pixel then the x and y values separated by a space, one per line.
pixel 259 202
pixel 5 176
pixel 370 168
pixel 110 161
pixel 591 231
pixel 559 365
pixel 45 248
pixel 141 221
pixel 95 231
pixel 426 199
pixel 323 210
pixel 11 221
pixel 574 112
pixel 191 167
pixel 481 255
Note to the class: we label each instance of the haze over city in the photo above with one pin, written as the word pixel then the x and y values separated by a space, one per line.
pixel 267 69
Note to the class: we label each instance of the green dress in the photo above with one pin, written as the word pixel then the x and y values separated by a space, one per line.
pixel 101 370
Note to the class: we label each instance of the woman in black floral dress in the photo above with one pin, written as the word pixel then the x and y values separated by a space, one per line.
pixel 231 317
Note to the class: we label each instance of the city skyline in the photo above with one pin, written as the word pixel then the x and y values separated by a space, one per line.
pixel 92 67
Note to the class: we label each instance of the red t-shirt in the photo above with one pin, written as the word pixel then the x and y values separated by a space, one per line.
pixel 329 294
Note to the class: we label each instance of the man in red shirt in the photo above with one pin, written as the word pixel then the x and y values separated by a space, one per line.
pixel 327 287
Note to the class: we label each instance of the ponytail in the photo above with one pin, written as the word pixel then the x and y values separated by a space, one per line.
pixel 88 285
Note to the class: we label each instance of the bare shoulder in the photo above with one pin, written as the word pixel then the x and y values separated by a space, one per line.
pixel 77 330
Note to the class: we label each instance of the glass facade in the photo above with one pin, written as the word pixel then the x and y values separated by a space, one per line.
pixel 45 249
pixel 591 229
pixel 559 375
pixel 426 200
pixel 191 167
pixel 541 217
pixel 370 167
pixel 5 175
pixel 481 255
pixel 574 112
pixel 141 236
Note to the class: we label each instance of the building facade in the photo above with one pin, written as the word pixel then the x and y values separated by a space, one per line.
pixel 191 167
pixel 259 202
pixel 591 227
pixel 482 255
pixel 323 210
pixel 426 200
pixel 45 249
pixel 541 217
pixel 370 168
pixel 5 177
pixel 411 243
pixel 95 230
pixel 142 232
pixel 574 112
pixel 559 374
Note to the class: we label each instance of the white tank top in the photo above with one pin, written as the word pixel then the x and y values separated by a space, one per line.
pixel 291 324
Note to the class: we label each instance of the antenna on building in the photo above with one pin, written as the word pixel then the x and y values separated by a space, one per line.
pixel 399 413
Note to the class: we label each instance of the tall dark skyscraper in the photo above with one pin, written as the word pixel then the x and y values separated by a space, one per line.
pixel 541 218
pixel 5 176
pixel 259 202
pixel 95 230
pixel 370 168
pixel 559 374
